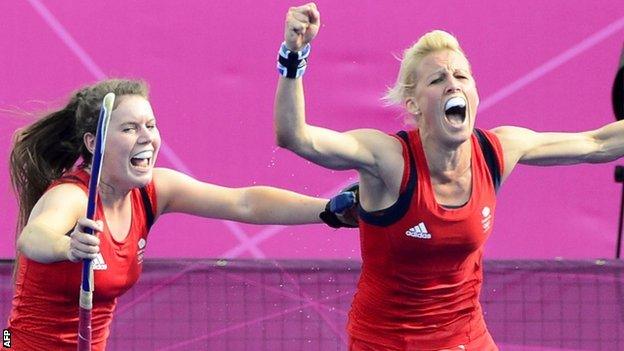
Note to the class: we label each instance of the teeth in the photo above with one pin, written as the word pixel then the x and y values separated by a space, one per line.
pixel 456 101
pixel 144 154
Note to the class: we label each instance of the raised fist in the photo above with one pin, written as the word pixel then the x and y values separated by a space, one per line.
pixel 302 25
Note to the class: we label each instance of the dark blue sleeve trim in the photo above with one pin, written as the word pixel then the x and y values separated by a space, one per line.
pixel 490 157
pixel 396 211
pixel 147 205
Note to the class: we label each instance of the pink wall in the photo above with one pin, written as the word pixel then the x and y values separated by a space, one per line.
pixel 542 65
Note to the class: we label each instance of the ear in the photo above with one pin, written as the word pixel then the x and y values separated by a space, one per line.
pixel 89 141
pixel 412 107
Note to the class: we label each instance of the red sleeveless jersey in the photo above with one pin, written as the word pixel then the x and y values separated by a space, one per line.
pixel 422 263
pixel 44 314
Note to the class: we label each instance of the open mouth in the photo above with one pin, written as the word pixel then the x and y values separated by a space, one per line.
pixel 455 110
pixel 143 159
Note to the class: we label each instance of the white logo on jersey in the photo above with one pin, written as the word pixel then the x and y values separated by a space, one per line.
pixel 486 211
pixel 140 252
pixel 419 231
pixel 487 218
pixel 98 263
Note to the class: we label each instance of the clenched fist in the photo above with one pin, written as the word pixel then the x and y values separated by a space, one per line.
pixel 83 245
pixel 302 25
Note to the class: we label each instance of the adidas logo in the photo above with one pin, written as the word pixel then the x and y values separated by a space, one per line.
pixel 419 231
pixel 98 263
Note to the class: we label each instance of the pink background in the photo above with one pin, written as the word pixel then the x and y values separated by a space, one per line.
pixel 546 65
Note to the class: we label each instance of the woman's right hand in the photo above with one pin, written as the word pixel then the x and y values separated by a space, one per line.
pixel 302 25
pixel 83 245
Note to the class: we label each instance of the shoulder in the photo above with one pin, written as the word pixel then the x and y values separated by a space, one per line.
pixel 66 198
pixel 165 177
pixel 168 181
pixel 165 181
pixel 517 141
pixel 511 133
pixel 170 185
pixel 67 191
pixel 380 144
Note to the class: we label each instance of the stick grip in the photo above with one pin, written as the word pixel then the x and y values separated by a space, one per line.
pixel 84 330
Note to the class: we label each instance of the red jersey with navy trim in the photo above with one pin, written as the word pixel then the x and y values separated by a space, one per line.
pixel 422 269
pixel 44 314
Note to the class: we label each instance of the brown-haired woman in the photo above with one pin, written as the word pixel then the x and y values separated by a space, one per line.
pixel 53 199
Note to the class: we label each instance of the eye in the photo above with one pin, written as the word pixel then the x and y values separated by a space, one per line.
pixel 151 126
pixel 436 81
pixel 459 76
pixel 129 129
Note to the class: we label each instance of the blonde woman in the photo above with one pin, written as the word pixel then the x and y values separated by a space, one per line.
pixel 427 195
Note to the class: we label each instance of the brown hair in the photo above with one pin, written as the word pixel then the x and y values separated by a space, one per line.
pixel 44 150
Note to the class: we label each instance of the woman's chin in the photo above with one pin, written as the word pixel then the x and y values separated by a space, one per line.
pixel 140 177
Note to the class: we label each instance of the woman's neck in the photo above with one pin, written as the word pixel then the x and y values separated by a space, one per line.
pixel 112 196
pixel 447 162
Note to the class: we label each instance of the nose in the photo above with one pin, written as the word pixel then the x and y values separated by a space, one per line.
pixel 454 86
pixel 145 135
